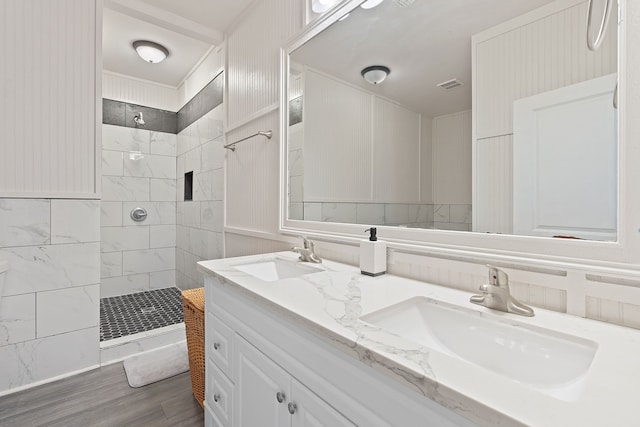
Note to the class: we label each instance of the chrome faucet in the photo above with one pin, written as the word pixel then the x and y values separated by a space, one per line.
pixel 308 253
pixel 496 295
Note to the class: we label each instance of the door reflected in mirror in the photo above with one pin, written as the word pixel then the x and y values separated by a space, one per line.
pixel 489 116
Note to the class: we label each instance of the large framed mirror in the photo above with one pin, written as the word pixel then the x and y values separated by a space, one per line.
pixel 460 123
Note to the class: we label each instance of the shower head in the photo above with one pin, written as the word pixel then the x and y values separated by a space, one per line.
pixel 138 119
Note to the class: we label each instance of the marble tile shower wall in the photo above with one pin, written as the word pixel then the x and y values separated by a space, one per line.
pixel 200 221
pixel 138 170
pixel 49 310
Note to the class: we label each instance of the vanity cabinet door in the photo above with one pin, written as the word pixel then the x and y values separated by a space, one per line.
pixel 312 411
pixel 258 382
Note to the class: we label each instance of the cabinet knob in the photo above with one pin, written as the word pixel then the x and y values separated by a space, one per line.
pixel 292 408
pixel 216 397
pixel 280 397
pixel 216 345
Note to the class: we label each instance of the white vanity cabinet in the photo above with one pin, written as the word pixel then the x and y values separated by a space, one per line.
pixel 264 369
pixel 265 394
pixel 244 387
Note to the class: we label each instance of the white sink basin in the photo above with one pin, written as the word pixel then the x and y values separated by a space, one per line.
pixel 551 362
pixel 276 269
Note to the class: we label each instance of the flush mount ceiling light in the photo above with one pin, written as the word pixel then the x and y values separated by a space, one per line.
pixel 370 4
pixel 150 51
pixel 375 74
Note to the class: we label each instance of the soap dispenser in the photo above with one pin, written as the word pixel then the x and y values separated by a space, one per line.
pixel 373 254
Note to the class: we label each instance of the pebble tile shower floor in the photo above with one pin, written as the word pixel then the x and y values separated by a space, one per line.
pixel 131 314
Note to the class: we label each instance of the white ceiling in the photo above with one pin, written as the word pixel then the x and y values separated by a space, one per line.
pixel 423 44
pixel 188 28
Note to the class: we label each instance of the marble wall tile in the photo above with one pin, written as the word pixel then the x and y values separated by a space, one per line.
pixel 162 190
pixel 162 236
pixel 190 267
pixel 215 246
pixel 218 185
pixel 191 214
pixel 24 222
pixel 203 184
pixel 162 279
pixel 115 188
pixel 110 214
pixel 163 143
pixel 180 190
pixel 420 213
pixel 441 213
pixel 111 264
pixel 339 212
pixel 150 166
pixel 296 211
pixel 212 215
pixel 124 285
pixel 66 310
pixel 42 268
pixel 17 318
pixel 75 221
pixel 295 189
pixel 313 211
pixel 186 141
pixel 179 262
pixel 296 163
pixel 145 261
pixel 182 236
pixel 370 213
pixel 213 155
pixel 112 163
pixel 40 359
pixel 395 213
pixel 118 138
pixel 193 160
pixel 460 214
pixel 117 239
pixel 158 213
pixel 180 160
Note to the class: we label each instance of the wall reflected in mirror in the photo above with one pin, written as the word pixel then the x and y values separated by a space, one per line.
pixel 494 117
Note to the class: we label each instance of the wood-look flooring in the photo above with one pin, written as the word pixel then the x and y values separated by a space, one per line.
pixel 102 397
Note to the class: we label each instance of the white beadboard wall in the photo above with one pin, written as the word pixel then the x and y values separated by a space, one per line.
pixel 252 88
pixel 49 85
pixel 452 158
pixel 533 57
pixel 253 177
pixel 253 56
pixel 204 71
pixel 138 91
pixel 534 53
pixel 334 114
pixel 494 185
pixel 396 153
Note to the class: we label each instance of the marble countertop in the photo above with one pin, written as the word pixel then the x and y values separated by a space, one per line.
pixel 331 303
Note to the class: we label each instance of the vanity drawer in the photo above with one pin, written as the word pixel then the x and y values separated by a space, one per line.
pixel 219 393
pixel 220 345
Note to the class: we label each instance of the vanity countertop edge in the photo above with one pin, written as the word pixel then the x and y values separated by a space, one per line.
pixel 330 305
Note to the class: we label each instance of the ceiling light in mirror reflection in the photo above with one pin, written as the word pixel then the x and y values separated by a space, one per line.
pixel 402 153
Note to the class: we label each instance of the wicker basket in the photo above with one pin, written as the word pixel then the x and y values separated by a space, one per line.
pixel 193 309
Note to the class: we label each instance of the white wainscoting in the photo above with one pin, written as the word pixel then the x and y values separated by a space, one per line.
pixel 253 57
pixel 138 91
pixel 50 106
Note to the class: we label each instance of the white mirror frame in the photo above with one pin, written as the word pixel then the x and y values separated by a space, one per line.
pixel 622 254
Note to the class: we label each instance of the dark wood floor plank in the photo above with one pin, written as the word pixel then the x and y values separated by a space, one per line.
pixel 103 398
